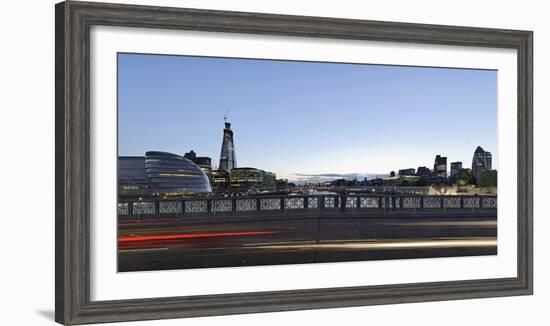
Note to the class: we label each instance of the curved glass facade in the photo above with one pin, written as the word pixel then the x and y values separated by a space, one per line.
pixel 160 174
pixel 482 161
pixel 172 174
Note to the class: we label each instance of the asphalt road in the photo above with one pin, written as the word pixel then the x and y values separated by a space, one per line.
pixel 202 244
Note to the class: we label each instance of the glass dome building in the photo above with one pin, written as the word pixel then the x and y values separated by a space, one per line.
pixel 164 174
pixel 172 174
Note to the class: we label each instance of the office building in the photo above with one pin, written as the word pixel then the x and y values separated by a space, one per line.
pixel 160 174
pixel 481 161
pixel 423 172
pixel 220 181
pixel 455 167
pixel 251 179
pixel 269 181
pixel 132 179
pixel 405 172
pixel 440 167
pixel 204 162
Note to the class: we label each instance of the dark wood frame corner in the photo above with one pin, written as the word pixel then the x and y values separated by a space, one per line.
pixel 72 101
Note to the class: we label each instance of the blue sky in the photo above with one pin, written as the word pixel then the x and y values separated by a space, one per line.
pixel 293 117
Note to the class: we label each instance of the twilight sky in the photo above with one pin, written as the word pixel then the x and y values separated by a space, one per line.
pixel 305 117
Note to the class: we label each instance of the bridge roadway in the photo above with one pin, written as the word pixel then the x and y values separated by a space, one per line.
pixel 303 237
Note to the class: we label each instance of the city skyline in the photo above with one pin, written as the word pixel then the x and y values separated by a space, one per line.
pixel 359 145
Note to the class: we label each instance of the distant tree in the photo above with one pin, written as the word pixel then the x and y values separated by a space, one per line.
pixel 453 179
pixel 463 177
pixel 422 182
pixel 488 179
pixel 405 182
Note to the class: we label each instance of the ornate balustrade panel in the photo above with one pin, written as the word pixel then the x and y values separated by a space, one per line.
pixel 270 204
pixel 431 202
pixel 294 203
pixel 451 202
pixel 224 205
pixel 490 202
pixel 313 202
pixel 196 206
pixel 170 207
pixel 329 202
pixel 246 205
pixel 143 208
pixel 411 202
pixel 470 202
pixel 369 202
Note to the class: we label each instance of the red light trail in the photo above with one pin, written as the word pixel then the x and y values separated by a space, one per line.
pixel 189 236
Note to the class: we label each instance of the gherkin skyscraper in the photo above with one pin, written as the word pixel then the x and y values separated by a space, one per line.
pixel 482 161
pixel 227 156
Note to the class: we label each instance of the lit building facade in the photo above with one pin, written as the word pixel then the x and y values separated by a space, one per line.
pixel 220 181
pixel 251 179
pixel 160 174
pixel 228 160
pixel 482 161
pixel 440 166
pixel 246 179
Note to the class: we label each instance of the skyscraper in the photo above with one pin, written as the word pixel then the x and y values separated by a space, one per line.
pixel 227 156
pixel 455 167
pixel 440 166
pixel 482 161
pixel 489 160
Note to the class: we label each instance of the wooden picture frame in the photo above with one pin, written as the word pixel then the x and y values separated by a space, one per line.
pixel 72 101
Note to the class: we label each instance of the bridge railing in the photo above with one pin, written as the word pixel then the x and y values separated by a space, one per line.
pixel 269 205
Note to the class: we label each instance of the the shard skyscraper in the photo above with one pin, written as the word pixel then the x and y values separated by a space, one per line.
pixel 227 156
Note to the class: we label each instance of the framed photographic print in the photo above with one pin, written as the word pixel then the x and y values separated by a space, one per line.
pixel 216 162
